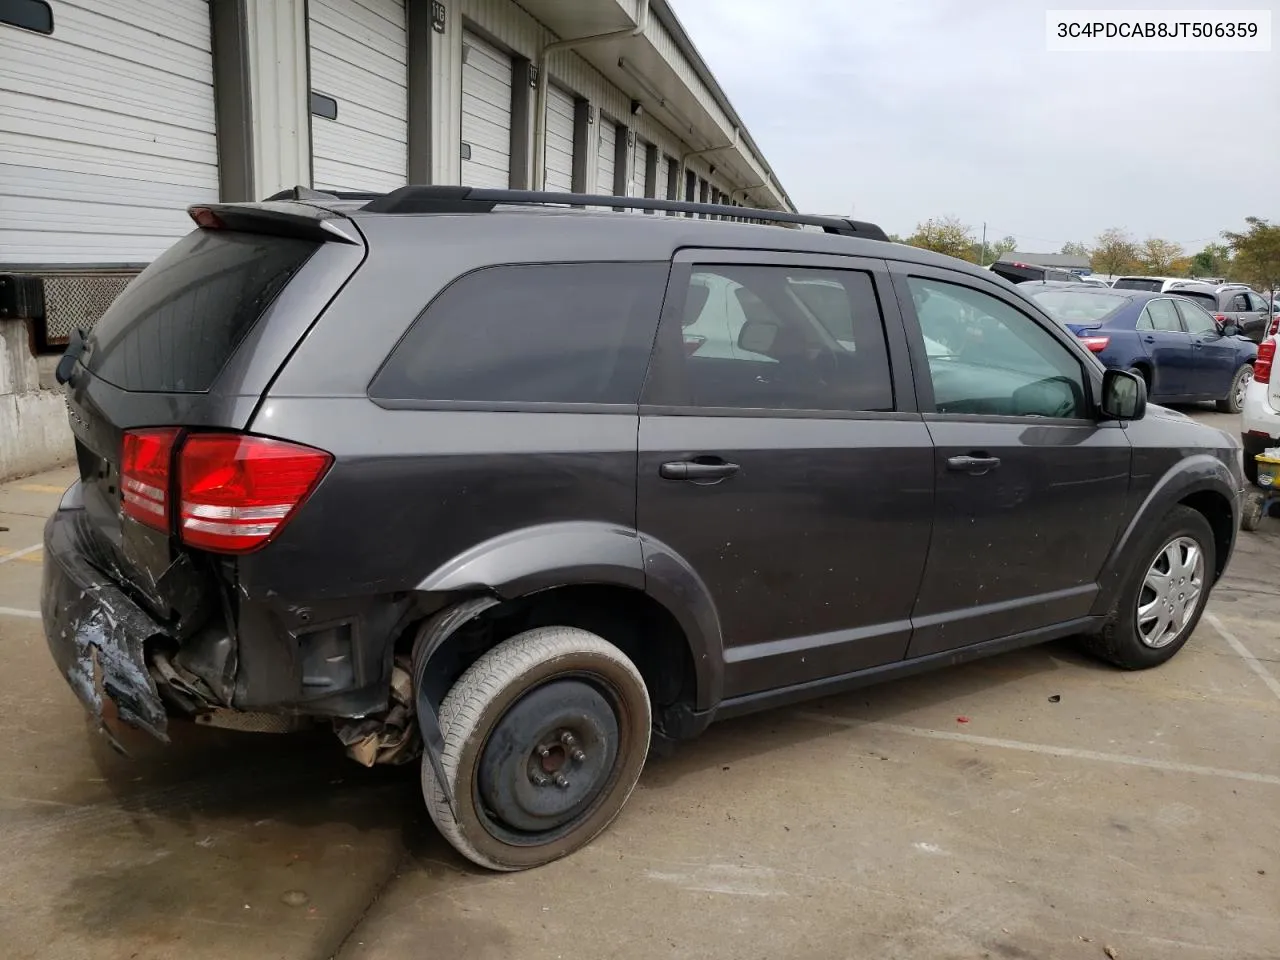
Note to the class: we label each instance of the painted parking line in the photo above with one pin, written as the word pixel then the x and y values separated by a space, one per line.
pixel 1246 655
pixel 16 612
pixel 1043 748
pixel 19 554
pixel 39 488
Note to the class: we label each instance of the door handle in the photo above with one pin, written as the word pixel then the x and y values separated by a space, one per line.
pixel 1148 339
pixel 697 470
pixel 976 466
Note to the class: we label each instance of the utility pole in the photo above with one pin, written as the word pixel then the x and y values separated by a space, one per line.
pixel 984 246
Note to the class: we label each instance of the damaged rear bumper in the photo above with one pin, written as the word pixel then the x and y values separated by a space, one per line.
pixel 96 633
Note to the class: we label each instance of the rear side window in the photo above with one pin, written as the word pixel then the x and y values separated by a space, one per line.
pixel 1137 283
pixel 531 333
pixel 1163 316
pixel 178 323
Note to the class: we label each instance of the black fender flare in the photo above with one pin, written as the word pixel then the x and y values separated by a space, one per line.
pixel 1193 474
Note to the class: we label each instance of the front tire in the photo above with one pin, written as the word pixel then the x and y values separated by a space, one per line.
pixel 1165 593
pixel 1233 402
pixel 544 739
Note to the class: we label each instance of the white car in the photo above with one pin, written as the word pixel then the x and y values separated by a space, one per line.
pixel 1260 414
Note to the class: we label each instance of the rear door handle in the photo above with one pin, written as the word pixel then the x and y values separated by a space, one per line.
pixel 1148 339
pixel 974 465
pixel 696 470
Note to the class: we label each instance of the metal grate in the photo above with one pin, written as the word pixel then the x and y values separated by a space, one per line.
pixel 78 300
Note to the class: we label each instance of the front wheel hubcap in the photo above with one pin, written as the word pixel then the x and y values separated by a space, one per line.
pixel 1170 592
pixel 1243 387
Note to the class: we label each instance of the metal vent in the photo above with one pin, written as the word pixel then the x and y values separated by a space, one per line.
pixel 78 300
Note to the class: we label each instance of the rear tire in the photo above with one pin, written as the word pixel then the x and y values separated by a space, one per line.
pixel 1146 377
pixel 1129 640
pixel 1233 402
pixel 544 739
pixel 1251 515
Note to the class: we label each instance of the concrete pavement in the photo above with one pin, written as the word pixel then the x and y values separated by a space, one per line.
pixel 1135 811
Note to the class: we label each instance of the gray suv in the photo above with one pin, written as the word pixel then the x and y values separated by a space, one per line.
pixel 518 488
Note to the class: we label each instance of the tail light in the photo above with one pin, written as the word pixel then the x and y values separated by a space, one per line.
pixel 1262 366
pixel 144 475
pixel 235 492
pixel 1275 326
pixel 1096 344
pixel 238 492
pixel 1220 317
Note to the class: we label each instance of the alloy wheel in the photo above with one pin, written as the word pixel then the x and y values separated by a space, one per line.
pixel 1170 592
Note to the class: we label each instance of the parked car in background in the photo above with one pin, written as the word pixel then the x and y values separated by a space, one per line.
pixel 1246 308
pixel 1160 284
pixel 1260 417
pixel 521 520
pixel 1018 272
pixel 1172 342
pixel 1095 281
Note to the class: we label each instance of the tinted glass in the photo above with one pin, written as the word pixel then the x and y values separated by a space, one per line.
pixel 1240 302
pixel 537 333
pixel 1137 283
pixel 1258 303
pixel 1195 318
pixel 178 323
pixel 785 338
pixel 1205 299
pixel 1163 316
pixel 1079 306
pixel 985 357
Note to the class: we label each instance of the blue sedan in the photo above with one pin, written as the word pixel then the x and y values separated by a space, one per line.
pixel 1173 343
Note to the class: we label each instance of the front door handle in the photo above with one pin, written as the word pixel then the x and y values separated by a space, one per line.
pixel 1148 339
pixel 697 470
pixel 974 465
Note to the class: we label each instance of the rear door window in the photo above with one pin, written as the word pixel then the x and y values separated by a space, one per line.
pixel 784 338
pixel 177 324
pixel 1164 316
pixel 531 333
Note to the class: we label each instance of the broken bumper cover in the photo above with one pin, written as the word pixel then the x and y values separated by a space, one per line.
pixel 96 633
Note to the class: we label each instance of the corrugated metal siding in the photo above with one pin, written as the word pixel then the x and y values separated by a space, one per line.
pixel 639 165
pixel 486 113
pixel 559 172
pixel 106 132
pixel 358 57
pixel 277 41
pixel 608 144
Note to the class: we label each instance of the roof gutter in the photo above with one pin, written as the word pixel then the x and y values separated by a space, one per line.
pixel 540 104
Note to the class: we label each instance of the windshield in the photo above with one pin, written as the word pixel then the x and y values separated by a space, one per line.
pixel 1079 306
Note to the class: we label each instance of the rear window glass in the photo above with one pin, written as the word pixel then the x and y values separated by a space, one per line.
pixel 1202 297
pixel 177 324
pixel 1017 274
pixel 532 333
pixel 1079 306
pixel 1137 283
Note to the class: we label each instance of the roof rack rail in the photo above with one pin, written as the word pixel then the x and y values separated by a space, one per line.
pixel 451 199
pixel 306 193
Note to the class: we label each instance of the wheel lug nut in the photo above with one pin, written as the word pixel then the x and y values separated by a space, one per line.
pixel 562 781
pixel 543 751
pixel 578 755
pixel 539 780
pixel 568 739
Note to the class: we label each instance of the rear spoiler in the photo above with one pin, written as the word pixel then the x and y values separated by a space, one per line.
pixel 276 218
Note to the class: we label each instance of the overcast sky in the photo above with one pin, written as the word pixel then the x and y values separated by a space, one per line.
pixel 898 111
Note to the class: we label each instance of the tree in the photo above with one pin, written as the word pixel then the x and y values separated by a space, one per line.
pixel 1001 247
pixel 1213 261
pixel 1113 252
pixel 1073 249
pixel 1158 256
pixel 1257 254
pixel 947 235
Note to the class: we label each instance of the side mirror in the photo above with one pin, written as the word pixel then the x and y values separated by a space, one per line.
pixel 1124 396
pixel 1229 329
pixel 757 336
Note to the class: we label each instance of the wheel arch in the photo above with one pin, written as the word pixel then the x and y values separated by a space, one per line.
pixel 1201 482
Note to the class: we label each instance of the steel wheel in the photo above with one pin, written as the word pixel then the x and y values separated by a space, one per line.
pixel 1170 592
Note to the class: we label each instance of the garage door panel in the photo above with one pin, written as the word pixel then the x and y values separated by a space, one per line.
pixel 486 114
pixel 358 56
pixel 607 144
pixel 107 132
pixel 378 26
pixel 76 79
pixel 181 53
pixel 559 141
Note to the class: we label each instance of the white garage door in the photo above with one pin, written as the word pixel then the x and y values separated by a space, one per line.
pixel 559 172
pixel 605 165
pixel 660 190
pixel 358 57
pixel 639 165
pixel 106 132
pixel 486 114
